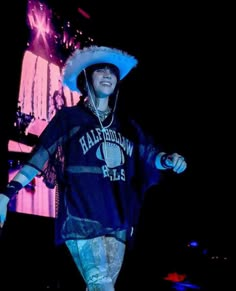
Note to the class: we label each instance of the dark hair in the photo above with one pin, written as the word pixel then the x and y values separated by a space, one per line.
pixel 81 84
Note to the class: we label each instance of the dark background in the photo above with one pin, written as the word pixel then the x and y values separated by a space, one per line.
pixel 181 92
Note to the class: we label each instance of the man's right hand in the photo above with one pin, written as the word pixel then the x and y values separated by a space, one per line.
pixel 3 208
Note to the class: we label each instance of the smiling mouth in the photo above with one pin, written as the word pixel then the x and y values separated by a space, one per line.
pixel 106 84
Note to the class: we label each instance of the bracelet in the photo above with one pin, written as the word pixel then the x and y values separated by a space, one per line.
pixel 163 161
pixel 12 189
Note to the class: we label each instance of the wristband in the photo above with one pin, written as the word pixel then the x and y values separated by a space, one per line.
pixel 12 189
pixel 163 161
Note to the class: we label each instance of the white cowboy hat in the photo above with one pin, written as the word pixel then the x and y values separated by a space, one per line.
pixel 83 58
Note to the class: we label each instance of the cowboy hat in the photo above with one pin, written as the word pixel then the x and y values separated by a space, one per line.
pixel 88 56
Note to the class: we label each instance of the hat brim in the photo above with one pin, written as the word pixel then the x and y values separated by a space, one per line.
pixel 81 59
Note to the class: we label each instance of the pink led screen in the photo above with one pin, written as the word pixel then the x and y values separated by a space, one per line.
pixel 40 96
